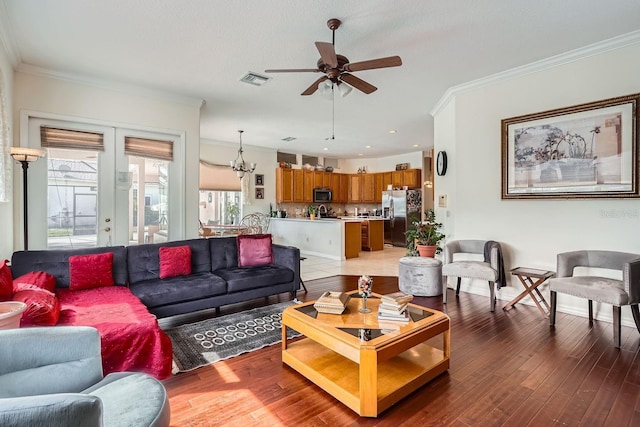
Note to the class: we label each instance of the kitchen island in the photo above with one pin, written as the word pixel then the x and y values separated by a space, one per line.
pixel 334 238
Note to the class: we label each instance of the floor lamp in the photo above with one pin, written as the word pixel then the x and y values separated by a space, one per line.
pixel 26 156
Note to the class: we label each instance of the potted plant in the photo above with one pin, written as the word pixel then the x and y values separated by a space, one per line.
pixel 424 237
pixel 232 212
pixel 312 211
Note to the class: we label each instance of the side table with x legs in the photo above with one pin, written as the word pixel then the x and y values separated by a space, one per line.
pixel 527 276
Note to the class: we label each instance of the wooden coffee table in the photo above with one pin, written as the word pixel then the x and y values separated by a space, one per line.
pixel 366 365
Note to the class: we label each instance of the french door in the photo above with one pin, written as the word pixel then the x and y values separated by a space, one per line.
pixel 99 196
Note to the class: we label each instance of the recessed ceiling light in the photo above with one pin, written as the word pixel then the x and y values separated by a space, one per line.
pixel 289 138
pixel 393 131
pixel 359 154
pixel 326 149
pixel 367 146
pixel 416 145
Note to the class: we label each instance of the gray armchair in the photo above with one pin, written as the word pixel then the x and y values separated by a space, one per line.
pixel 490 268
pixel 53 376
pixel 601 289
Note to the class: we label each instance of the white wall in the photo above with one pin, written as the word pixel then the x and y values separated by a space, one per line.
pixel 49 95
pixel 532 231
pixel 221 153
pixel 6 209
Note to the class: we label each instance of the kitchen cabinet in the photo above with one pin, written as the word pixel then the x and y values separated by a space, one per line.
pixel 412 178
pixel 372 235
pixel 307 178
pixel 284 185
pixel 379 187
pixel 355 188
pixel 387 180
pixel 397 179
pixel 352 244
pixel 298 186
pixel 321 179
pixel 344 188
pixel 335 186
pixel 368 184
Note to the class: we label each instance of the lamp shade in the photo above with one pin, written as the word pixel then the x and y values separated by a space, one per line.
pixel 22 154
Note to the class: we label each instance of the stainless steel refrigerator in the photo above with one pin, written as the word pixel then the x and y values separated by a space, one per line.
pixel 400 208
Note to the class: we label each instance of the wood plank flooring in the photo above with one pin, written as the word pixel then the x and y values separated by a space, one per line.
pixel 507 369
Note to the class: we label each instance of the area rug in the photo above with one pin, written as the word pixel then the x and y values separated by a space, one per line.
pixel 209 341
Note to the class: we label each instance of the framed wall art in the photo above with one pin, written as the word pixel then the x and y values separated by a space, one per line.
pixel 259 179
pixel 259 193
pixel 585 151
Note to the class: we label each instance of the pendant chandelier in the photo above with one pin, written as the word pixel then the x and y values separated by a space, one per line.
pixel 238 165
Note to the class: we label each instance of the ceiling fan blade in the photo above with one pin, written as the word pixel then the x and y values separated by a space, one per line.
pixel 294 70
pixel 328 54
pixel 390 61
pixel 314 86
pixel 358 83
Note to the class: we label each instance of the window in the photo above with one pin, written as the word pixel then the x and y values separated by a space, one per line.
pixel 312 160
pixel 220 198
pixel 286 158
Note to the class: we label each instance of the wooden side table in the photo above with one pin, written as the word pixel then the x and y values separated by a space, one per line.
pixel 527 276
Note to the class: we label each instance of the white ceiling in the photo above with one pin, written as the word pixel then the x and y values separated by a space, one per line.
pixel 201 49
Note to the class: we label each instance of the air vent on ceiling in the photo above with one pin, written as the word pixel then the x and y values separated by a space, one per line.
pixel 289 138
pixel 255 79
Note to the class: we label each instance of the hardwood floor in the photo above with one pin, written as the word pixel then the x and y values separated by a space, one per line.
pixel 507 368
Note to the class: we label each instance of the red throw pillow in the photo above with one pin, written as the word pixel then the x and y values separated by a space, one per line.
pixel 175 261
pixel 43 308
pixel 90 271
pixel 38 278
pixel 6 281
pixel 254 250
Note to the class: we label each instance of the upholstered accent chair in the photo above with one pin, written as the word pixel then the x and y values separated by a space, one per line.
pixel 53 377
pixel 488 268
pixel 596 288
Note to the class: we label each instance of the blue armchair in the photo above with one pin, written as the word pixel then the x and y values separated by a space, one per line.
pixel 53 376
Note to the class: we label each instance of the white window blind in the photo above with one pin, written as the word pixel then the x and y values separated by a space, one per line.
pixel 149 148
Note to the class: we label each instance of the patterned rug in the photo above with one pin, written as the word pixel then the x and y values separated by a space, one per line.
pixel 209 341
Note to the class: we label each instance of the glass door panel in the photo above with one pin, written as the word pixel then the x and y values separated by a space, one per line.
pixel 149 190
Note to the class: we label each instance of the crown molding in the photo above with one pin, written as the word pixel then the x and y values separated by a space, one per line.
pixel 110 85
pixel 6 38
pixel 544 64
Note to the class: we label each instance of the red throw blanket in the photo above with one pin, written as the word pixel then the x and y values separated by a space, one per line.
pixel 130 335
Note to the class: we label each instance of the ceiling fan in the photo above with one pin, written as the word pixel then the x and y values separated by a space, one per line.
pixel 337 69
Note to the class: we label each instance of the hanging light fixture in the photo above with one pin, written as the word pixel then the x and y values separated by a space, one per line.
pixel 238 165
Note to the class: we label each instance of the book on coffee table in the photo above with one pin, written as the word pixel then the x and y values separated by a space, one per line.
pixel 332 302
pixel 396 298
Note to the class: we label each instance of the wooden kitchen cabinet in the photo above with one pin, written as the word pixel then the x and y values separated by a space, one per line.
pixel 321 179
pixel 368 187
pixel 335 186
pixel 372 235
pixel 355 188
pixel 412 178
pixel 298 186
pixel 284 185
pixel 387 180
pixel 344 188
pixel 307 178
pixel 397 179
pixel 352 234
pixel 379 187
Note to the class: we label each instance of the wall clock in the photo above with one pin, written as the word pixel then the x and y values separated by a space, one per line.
pixel 441 163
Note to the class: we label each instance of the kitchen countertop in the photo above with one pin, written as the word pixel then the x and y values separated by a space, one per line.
pixel 342 218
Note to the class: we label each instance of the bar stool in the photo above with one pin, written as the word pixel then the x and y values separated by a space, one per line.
pixel 302 258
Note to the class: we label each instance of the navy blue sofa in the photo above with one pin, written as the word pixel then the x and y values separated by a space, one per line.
pixel 215 279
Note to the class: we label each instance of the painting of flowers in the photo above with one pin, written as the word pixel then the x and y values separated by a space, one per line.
pixel 588 150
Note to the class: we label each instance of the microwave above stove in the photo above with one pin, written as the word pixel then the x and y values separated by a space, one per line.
pixel 322 195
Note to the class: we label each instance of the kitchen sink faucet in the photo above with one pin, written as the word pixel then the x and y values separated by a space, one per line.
pixel 322 210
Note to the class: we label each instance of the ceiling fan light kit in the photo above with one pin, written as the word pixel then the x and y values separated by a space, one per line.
pixel 337 68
